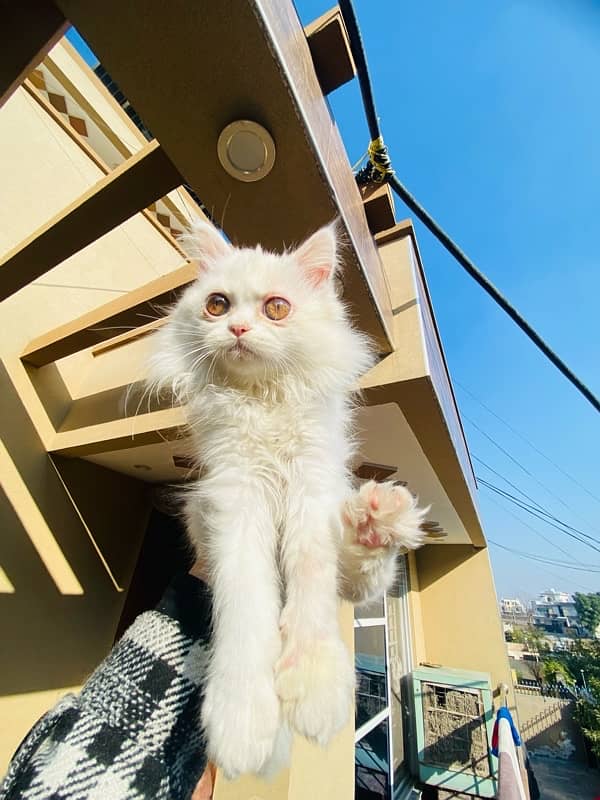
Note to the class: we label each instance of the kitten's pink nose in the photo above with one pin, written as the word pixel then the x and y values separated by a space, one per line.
pixel 239 330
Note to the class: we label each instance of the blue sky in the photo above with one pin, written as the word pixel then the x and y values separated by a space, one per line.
pixel 491 112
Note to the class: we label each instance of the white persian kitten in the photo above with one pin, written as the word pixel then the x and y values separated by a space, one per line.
pixel 261 352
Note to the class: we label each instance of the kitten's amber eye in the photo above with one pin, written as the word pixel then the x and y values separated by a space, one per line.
pixel 217 305
pixel 277 308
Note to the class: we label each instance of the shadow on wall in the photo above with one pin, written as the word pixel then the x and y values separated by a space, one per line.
pixel 462 751
pixel 546 721
pixel 436 561
pixel 71 533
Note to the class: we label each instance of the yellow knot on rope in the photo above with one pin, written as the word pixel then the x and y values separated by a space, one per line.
pixel 378 155
pixel 379 167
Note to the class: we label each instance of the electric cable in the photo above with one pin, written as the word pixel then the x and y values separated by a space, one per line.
pixel 594 569
pixel 525 524
pixel 526 440
pixel 379 170
pixel 547 489
pixel 534 512
pixel 513 485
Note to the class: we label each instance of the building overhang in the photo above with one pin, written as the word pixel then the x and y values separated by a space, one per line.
pixel 205 65
pixel 415 377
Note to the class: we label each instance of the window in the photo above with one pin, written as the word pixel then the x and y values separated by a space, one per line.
pixel 382 658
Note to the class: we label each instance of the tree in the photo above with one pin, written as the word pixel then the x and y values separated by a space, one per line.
pixel 517 635
pixel 584 657
pixel 583 662
pixel 587 714
pixel 537 670
pixel 534 638
pixel 588 608
pixel 554 671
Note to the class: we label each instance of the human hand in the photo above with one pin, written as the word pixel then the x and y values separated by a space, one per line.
pixel 206 785
pixel 199 570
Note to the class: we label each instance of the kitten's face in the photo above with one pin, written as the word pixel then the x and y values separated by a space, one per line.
pixel 258 315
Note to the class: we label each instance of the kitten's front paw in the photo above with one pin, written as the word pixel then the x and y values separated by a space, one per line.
pixel 385 515
pixel 281 755
pixel 315 681
pixel 240 726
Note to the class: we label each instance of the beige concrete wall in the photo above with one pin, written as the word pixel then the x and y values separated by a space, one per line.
pixel 70 536
pixel 544 720
pixel 71 530
pixel 17 707
pixel 419 653
pixel 459 611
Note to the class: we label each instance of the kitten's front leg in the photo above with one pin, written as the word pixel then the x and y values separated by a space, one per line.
pixel 379 519
pixel 241 710
pixel 315 674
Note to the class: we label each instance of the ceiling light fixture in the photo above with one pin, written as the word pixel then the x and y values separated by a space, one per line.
pixel 246 150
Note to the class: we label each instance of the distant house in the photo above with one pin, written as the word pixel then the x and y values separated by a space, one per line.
pixel 509 605
pixel 555 611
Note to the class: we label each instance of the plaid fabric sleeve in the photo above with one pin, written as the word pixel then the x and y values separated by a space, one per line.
pixel 133 732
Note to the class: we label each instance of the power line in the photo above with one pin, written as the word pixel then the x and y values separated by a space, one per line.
pixel 514 486
pixel 491 290
pixel 527 525
pixel 526 440
pixel 594 569
pixel 545 513
pixel 547 489
pixel 380 170
pixel 536 506
pixel 580 585
pixel 531 528
pixel 549 572
pixel 502 450
pixel 534 512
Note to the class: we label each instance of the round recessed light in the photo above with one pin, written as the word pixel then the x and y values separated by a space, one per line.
pixel 246 150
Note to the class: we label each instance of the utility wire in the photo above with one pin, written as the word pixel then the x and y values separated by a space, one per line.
pixel 380 170
pixel 513 485
pixel 490 289
pixel 580 585
pixel 538 564
pixel 535 513
pixel 547 489
pixel 522 522
pixel 541 568
pixel 552 562
pixel 548 515
pixel 499 447
pixel 526 440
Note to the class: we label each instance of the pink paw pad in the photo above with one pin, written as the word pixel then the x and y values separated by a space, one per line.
pixel 367 536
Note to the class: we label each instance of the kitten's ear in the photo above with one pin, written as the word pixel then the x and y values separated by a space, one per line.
pixel 204 244
pixel 318 255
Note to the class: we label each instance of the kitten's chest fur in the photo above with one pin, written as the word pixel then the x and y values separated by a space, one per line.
pixel 275 430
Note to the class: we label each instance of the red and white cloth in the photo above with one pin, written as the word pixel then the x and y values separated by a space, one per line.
pixel 505 741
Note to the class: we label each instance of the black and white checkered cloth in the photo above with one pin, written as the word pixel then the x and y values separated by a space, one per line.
pixel 133 732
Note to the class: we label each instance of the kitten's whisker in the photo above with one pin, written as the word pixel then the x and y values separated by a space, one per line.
pixel 115 328
pixel 224 212
pixel 149 316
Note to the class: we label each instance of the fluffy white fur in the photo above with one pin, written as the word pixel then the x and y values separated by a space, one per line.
pixel 273 514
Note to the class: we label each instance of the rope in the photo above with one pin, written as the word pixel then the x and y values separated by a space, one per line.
pixel 379 167
pixel 379 170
